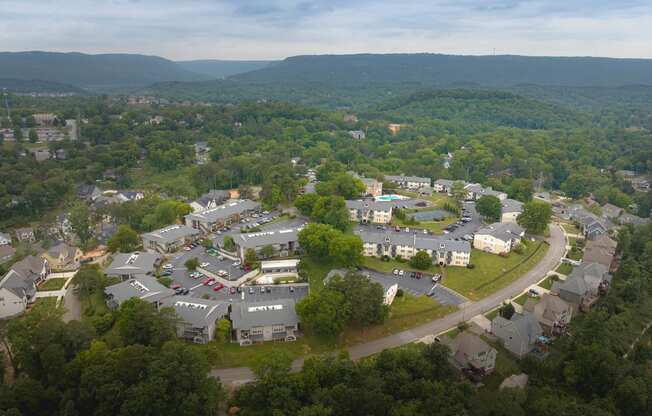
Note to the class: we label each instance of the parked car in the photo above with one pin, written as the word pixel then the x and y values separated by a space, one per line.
pixel 251 290
pixel 413 275
pixel 185 291
pixel 533 293
pixel 401 273
pixel 204 264
pixel 178 291
pixel 167 273
pixel 395 272
pixel 175 286
pixel 436 278
pixel 168 266
pixel 218 287
pixel 291 289
pixel 262 289
pixel 268 289
pixel 232 291
pixel 237 263
pixel 208 281
pixel 187 248
pixel 419 275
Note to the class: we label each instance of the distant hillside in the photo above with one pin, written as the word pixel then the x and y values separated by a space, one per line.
pixel 497 108
pixel 37 86
pixel 216 68
pixel 93 71
pixel 446 70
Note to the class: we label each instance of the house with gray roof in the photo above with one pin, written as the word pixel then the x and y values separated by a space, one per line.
pixel 408 182
pixel 209 200
pixel 213 219
pixel 372 186
pixel 476 191
pixel 443 251
pixel 469 351
pixel 5 239
pixel 129 265
pixel 357 134
pixel 197 317
pixel 519 334
pixel 264 321
pixel 169 239
pixel 498 238
pixel 591 225
pixel 584 285
pixel 62 256
pixel 635 220
pixel 25 234
pixel 444 185
pixel 602 250
pixel 389 288
pixel 143 287
pixel 510 210
pixel 284 242
pixel 553 313
pixel 370 211
pixel 18 285
pixel 88 192
pixel 611 211
pixel 6 253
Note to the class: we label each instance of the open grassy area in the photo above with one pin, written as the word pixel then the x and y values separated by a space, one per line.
pixel 575 254
pixel 492 272
pixel 52 284
pixel 491 315
pixel 564 268
pixel 571 228
pixel 521 299
pixel 45 303
pixel 280 218
pixel 546 283
pixel 376 263
pixel 316 271
pixel 406 312
pixel 436 227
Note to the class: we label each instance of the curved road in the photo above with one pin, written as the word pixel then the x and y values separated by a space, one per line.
pixel 557 240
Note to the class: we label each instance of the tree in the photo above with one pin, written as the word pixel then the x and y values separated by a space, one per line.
pixel 345 250
pixel 535 217
pixel 489 207
pixel 315 239
pixel 521 189
pixel 325 312
pixel 458 192
pixel 267 251
pixel 18 134
pixel 125 240
pixel 421 261
pixel 192 264
pixel 33 136
pixel 341 184
pixel 80 221
pixel 228 244
pixel 332 210
pixel 251 258
pixel 507 310
pixel 364 297
pixel 223 330
pixel 139 322
pixel 305 203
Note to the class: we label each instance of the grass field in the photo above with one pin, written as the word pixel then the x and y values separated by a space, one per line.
pixel 575 254
pixel 546 283
pixel 521 299
pixel 436 227
pixel 564 268
pixel 316 271
pixel 492 272
pixel 52 284
pixel 376 263
pixel 571 228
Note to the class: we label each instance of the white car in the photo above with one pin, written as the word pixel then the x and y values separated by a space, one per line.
pixel 401 273
pixel 168 266
pixel 204 264
pixel 237 263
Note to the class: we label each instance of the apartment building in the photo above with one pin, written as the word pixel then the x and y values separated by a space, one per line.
pixel 498 238
pixel 370 211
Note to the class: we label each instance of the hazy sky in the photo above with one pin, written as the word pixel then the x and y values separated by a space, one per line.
pixel 256 29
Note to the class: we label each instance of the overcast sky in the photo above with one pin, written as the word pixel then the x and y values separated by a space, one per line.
pixel 273 29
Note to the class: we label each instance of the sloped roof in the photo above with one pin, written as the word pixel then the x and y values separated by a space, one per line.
pixel 143 287
pixel 504 231
pixel 419 241
pixel 246 315
pixel 133 263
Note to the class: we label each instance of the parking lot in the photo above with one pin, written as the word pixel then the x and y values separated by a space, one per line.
pixel 418 287
pixel 470 227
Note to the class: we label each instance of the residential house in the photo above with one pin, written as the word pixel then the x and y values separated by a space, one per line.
pixel 129 265
pixel 469 351
pixel 498 238
pixel 63 257
pixel 635 220
pixel 211 199
pixel 370 211
pixel 610 211
pixel 591 225
pixel 41 155
pixel 202 152
pixel 213 219
pixel 602 250
pixel 511 209
pixel 18 286
pixel 445 252
pixel 443 185
pixel 372 186
pixel 146 288
pixel 197 317
pixel 389 288
pixel 5 239
pixel 283 242
pixel 125 196
pixel 44 119
pixel 553 313
pixel 7 252
pixel 170 238
pixel 88 192
pixel 584 285
pixel 25 234
pixel 519 334
pixel 104 231
pixel 357 134
pixel 476 191
pixel 61 154
pixel 274 320
pixel 408 182
pixel 394 128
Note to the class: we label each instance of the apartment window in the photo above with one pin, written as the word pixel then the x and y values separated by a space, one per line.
pixel 278 328
pixel 257 330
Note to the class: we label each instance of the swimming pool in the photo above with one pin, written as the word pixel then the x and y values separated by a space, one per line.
pixel 390 197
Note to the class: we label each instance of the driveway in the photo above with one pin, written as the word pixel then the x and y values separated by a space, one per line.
pixel 467 311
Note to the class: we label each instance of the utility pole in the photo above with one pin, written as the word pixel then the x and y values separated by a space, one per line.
pixel 4 91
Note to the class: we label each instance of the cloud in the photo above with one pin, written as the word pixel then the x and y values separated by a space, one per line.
pixel 272 29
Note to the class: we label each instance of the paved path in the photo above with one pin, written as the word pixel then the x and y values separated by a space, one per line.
pixel 239 375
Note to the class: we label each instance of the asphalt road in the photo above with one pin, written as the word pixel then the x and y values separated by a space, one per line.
pixel 240 375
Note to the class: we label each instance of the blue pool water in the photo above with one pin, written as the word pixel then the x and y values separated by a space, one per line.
pixel 391 197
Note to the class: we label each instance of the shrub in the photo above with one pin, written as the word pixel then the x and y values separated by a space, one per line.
pixel 399 293
pixel 519 249
pixel 165 281
pixel 470 266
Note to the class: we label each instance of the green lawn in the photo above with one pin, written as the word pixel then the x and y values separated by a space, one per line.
pixel 521 299
pixel 491 315
pixel 93 305
pixel 564 268
pixel 45 303
pixel 571 228
pixel 575 254
pixel 316 271
pixel 52 284
pixel 546 283
pixel 280 218
pixel 491 271
pixel 436 227
pixel 406 312
pixel 376 263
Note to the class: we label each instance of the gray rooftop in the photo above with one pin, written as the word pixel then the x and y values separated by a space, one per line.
pixel 419 241
pixel 402 178
pixel 146 288
pixel 445 182
pixel 171 233
pixel 133 263
pixel 264 238
pixel 504 231
pixel 247 315
pixel 224 211
pixel 512 205
pixel 196 311
pixel 372 204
